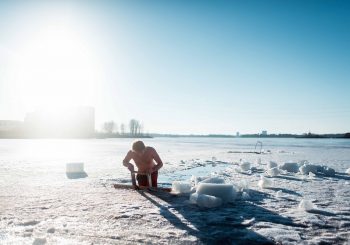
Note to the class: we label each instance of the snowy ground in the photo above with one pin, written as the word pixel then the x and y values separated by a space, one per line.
pixel 39 204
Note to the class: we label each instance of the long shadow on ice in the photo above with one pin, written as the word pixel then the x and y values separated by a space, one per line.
pixel 284 190
pixel 224 225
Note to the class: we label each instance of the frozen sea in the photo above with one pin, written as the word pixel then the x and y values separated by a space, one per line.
pixel 39 204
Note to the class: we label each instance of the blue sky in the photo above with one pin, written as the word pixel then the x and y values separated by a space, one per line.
pixel 183 66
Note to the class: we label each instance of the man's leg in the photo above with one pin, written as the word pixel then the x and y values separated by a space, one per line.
pixel 142 180
pixel 154 177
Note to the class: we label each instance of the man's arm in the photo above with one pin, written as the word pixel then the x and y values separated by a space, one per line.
pixel 126 161
pixel 157 160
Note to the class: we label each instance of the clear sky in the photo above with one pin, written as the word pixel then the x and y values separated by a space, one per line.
pixel 181 66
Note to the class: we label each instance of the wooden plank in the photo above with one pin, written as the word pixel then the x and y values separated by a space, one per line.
pixel 132 187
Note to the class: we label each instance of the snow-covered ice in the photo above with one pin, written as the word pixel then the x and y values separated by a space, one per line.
pixel 40 204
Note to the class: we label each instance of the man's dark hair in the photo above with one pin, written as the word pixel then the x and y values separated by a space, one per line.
pixel 138 146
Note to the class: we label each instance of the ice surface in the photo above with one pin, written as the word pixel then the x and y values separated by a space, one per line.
pixel 307 205
pixel 207 201
pixel 94 216
pixel 181 187
pixel 273 171
pixel 224 191
pixel 264 182
pixel 281 236
pixel 292 167
pixel 271 164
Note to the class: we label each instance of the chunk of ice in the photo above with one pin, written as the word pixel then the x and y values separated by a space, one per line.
pixel 307 205
pixel 273 171
pixel 311 175
pixel 245 166
pixel 51 230
pixel 279 194
pixel 264 182
pixel 272 164
pixel 292 167
pixel 258 161
pixel 316 169
pixel 308 168
pixel 206 201
pixel 348 171
pixel 75 167
pixel 213 180
pixel 39 241
pixel 224 191
pixel 181 187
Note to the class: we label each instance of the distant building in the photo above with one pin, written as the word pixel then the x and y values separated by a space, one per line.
pixel 264 132
pixel 10 125
pixel 237 134
pixel 68 123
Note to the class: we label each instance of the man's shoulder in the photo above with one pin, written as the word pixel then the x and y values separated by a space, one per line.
pixel 150 149
pixel 130 153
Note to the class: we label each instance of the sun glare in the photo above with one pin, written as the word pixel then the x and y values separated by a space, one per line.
pixel 55 68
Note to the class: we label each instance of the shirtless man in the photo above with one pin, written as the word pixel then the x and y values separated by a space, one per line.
pixel 144 158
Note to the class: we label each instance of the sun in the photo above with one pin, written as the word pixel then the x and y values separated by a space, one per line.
pixel 55 67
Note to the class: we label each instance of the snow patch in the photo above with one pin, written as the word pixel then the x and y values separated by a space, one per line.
pixel 279 235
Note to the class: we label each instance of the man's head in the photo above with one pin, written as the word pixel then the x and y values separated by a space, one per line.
pixel 138 147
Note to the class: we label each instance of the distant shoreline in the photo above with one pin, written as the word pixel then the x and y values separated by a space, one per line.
pixel 141 136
